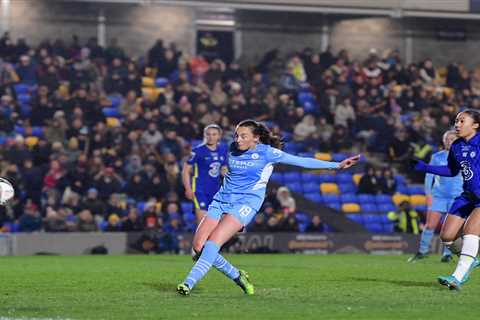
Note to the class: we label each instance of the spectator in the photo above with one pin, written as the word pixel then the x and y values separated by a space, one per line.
pixel 369 183
pixel 132 222
pixel 86 223
pixel 287 202
pixel 316 225
pixel 406 219
pixel 30 221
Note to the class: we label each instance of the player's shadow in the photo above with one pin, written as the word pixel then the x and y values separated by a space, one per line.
pixel 401 283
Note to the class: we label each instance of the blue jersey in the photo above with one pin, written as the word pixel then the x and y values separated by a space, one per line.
pixel 442 187
pixel 464 157
pixel 207 166
pixel 249 172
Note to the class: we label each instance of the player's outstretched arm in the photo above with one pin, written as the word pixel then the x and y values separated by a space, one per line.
pixel 445 171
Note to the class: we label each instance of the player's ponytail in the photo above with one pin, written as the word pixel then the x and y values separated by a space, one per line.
pixel 263 132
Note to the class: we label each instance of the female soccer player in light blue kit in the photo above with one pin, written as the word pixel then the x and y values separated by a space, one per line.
pixel 464 215
pixel 250 163
pixel 441 193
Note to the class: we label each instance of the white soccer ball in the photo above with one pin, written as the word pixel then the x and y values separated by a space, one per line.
pixel 6 191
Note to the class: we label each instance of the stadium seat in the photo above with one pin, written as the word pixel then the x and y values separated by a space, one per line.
pixel 347 187
pixel 326 177
pixel 344 178
pixel 113 122
pixel 25 110
pixel 277 177
pixel 398 198
pixel 148 82
pixel 31 142
pixel 305 97
pixel 323 156
pixel 24 98
pixel 291 176
pixel 421 208
pixel 383 198
pixel 351 208
pixel 368 207
pixel 375 227
pixel 111 112
pixel 19 130
pixel 161 82
pixel 388 227
pixel 356 178
pixel 338 157
pixel 329 187
pixel 418 200
pixel 358 218
pixel 401 180
pixel 315 197
pixel 295 187
pixel 291 147
pixel 331 198
pixel 37 131
pixel 365 198
pixel 306 154
pixel 310 187
pixel 348 198
pixel 402 189
pixel 334 205
pixel 115 100
pixel 384 208
pixel 416 189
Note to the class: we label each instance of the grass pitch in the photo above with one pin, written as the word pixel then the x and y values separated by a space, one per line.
pixel 287 287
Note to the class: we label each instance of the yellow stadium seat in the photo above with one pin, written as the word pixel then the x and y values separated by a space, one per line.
pixel 329 187
pixel 351 207
pixel 442 72
pixel 418 200
pixel 356 178
pixel 148 82
pixel 31 141
pixel 398 198
pixel 323 156
pixel 113 122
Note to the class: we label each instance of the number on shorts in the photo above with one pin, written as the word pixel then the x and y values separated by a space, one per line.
pixel 245 211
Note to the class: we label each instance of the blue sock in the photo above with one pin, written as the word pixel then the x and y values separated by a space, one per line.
pixel 225 267
pixel 425 240
pixel 446 251
pixel 204 263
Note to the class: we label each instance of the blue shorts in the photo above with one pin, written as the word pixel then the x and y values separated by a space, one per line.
pixel 202 200
pixel 464 205
pixel 441 205
pixel 243 212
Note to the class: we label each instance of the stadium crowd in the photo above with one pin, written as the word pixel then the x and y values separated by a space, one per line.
pixel 90 145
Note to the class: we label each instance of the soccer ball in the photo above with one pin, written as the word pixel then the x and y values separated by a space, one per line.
pixel 6 191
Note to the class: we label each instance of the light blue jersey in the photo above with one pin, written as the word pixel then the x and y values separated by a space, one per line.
pixel 244 186
pixel 443 189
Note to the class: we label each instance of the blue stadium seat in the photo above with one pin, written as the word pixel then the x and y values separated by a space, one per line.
pixel 347 187
pixel 314 196
pixel 311 187
pixel 303 217
pixel 291 147
pixel 277 177
pixel 421 208
pixel 368 207
pixel 383 199
pixel 291 177
pixel 403 189
pixel 343 177
pixel 416 189
pixel 338 157
pixel 401 180
pixel 386 207
pixel 366 198
pixel 388 227
pixel 295 187
pixel 187 207
pixel 306 154
pixel 111 112
pixel 375 227
pixel 355 217
pixel 25 110
pixel 21 88
pixel 348 198
pixel 161 82
pixel 327 198
pixel 310 106
pixel 19 130
pixel 305 97
pixel 326 177
pixel 334 205
pixel 141 207
pixel 310 177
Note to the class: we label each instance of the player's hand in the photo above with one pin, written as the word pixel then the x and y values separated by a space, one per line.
pixel 189 194
pixel 418 165
pixel 347 163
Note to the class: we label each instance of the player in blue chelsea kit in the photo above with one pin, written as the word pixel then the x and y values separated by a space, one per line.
pixel 464 215
pixel 441 193
pixel 250 163
pixel 207 163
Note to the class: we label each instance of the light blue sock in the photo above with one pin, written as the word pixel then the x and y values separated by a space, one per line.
pixel 225 267
pixel 204 263
pixel 446 251
pixel 425 240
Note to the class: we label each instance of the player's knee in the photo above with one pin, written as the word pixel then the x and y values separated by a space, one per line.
pixel 195 254
pixel 197 247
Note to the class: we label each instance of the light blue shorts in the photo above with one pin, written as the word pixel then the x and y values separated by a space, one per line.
pixel 243 212
pixel 441 205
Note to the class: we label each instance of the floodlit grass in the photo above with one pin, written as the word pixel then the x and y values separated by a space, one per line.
pixel 287 287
